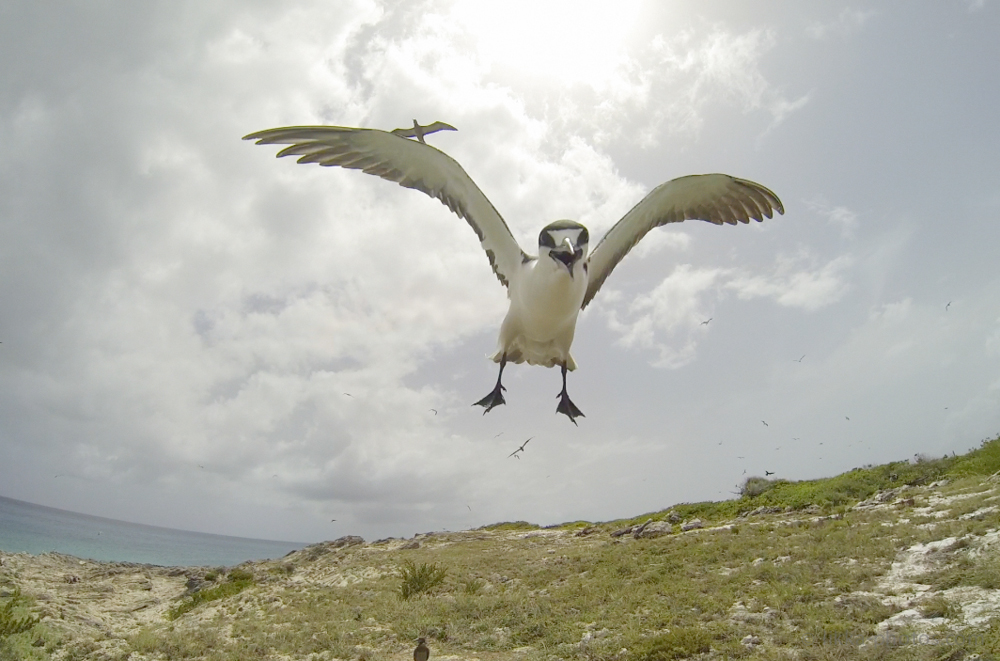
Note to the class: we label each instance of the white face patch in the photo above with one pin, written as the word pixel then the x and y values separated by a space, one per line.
pixel 554 238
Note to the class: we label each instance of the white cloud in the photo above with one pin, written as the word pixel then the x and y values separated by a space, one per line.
pixel 666 316
pixel 840 216
pixel 811 286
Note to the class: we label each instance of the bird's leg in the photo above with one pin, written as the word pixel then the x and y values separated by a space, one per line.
pixel 495 398
pixel 566 405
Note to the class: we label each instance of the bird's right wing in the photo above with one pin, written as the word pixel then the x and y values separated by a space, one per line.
pixel 716 198
pixel 410 164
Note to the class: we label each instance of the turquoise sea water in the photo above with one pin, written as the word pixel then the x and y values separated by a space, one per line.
pixel 29 528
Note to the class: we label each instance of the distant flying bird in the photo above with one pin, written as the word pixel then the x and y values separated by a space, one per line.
pixel 766 473
pixel 435 411
pixel 705 323
pixel 421 653
pixel 846 418
pixel 547 291
pixel 765 424
pixel 520 449
pixel 419 131
pixel 349 394
pixel 800 359
pixel 947 306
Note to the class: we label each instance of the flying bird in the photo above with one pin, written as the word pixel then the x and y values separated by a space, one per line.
pixel 947 306
pixel 419 131
pixel 766 473
pixel 435 411
pixel 421 653
pixel 800 359
pixel 765 424
pixel 547 291
pixel 705 323
pixel 520 449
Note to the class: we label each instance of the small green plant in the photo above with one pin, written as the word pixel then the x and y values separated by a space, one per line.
pixel 237 581
pixel 419 578
pixel 473 586
pixel 755 486
pixel 679 643
pixel 10 624
pixel 938 606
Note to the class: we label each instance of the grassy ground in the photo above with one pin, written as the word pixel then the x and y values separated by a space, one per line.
pixel 807 582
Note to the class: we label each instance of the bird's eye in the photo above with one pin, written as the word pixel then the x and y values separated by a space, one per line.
pixel 546 239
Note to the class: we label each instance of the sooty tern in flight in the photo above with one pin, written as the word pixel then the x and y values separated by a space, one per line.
pixel 419 131
pixel 547 291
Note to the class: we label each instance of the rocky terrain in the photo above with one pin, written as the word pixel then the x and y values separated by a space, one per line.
pixel 925 583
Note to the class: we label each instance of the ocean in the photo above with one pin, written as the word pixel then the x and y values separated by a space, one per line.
pixel 29 528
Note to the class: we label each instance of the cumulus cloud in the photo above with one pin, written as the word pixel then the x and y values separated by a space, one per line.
pixel 666 317
pixel 669 318
pixel 797 282
pixel 185 317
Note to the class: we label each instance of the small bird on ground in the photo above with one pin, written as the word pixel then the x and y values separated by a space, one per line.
pixel 422 652
pixel 419 131
pixel 547 292
pixel 520 449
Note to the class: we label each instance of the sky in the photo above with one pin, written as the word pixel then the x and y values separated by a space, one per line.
pixel 196 335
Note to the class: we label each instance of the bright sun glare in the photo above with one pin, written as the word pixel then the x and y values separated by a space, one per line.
pixel 570 41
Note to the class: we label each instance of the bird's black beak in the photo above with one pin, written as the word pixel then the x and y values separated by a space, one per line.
pixel 569 256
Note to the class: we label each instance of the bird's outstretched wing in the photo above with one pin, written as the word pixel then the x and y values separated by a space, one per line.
pixel 410 164
pixel 717 198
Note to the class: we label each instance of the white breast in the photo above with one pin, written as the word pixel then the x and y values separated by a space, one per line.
pixel 544 305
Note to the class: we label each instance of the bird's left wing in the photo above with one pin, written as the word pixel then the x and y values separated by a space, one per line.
pixel 716 198
pixel 410 164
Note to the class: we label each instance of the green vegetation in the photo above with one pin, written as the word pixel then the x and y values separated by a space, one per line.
pixel 415 579
pixel 11 623
pixel 796 572
pixel 237 581
pixel 680 643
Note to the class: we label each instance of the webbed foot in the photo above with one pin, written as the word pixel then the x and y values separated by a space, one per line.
pixel 566 405
pixel 495 398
